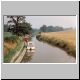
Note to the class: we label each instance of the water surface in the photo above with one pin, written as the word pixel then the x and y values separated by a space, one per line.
pixel 46 53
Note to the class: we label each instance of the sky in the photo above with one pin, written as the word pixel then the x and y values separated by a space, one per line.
pixel 38 21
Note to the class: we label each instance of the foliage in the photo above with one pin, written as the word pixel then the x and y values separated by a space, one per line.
pixel 6 27
pixel 45 28
pixel 18 25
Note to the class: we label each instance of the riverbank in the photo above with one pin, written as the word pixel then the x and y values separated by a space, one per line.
pixel 65 40
pixel 12 44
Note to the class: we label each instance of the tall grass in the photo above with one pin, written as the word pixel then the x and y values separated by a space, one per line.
pixel 11 40
pixel 9 55
pixel 64 40
pixel 12 52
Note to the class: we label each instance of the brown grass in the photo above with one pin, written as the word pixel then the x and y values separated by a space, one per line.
pixel 8 46
pixel 67 36
pixel 63 39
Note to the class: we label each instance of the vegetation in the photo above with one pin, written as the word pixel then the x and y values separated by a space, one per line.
pixel 10 48
pixel 6 27
pixel 18 25
pixel 14 31
pixel 45 28
pixel 7 34
pixel 12 43
pixel 8 57
pixel 65 40
pixel 12 39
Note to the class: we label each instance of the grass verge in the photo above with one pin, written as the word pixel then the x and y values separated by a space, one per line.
pixel 12 52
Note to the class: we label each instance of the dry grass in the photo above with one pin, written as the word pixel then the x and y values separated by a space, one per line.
pixel 63 39
pixel 67 36
pixel 10 49
pixel 8 46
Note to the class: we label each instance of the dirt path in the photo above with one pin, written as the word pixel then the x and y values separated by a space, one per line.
pixel 19 59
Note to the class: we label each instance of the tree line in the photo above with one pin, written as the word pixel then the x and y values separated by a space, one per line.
pixel 45 28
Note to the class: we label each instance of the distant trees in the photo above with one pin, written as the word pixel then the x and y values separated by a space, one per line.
pixel 58 28
pixel 45 28
pixel 18 25
pixel 50 29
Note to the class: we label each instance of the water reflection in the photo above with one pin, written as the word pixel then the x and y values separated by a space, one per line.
pixel 28 56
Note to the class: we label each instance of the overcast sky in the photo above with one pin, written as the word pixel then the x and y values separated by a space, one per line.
pixel 38 21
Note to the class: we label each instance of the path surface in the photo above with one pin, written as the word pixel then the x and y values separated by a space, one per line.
pixel 46 53
pixel 19 59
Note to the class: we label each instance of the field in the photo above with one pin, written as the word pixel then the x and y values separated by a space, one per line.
pixel 63 39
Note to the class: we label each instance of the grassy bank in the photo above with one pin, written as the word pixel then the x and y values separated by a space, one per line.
pixel 12 44
pixel 65 40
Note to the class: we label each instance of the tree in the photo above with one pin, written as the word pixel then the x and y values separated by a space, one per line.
pixel 18 25
pixel 6 28
pixel 43 28
pixel 50 28
pixel 57 28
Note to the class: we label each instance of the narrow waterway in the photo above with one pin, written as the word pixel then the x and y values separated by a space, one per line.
pixel 45 53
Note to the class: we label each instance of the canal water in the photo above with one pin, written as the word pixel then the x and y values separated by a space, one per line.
pixel 45 53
